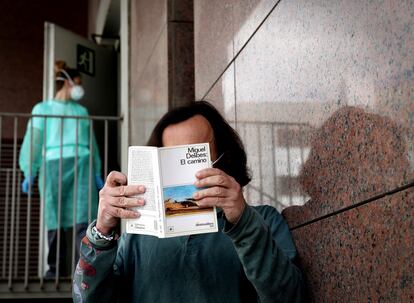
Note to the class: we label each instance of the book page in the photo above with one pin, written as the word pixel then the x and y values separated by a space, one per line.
pixel 179 165
pixel 143 170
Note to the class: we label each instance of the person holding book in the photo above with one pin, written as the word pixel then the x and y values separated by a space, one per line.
pixel 251 258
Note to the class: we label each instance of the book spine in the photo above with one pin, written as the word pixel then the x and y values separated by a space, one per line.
pixel 160 202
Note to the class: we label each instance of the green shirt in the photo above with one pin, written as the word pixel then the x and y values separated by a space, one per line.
pixel 250 261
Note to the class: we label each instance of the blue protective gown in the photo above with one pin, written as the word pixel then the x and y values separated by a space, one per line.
pixel 31 160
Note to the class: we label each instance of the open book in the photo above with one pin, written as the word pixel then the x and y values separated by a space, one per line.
pixel 168 173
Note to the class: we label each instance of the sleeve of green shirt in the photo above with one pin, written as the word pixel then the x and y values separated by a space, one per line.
pixel 30 158
pixel 266 251
pixel 96 274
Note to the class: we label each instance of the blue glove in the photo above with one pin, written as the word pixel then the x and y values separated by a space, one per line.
pixel 25 184
pixel 99 182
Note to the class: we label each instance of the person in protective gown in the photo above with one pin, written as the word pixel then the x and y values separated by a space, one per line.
pixel 43 135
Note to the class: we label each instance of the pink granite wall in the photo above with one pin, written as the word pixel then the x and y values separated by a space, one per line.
pixel 322 93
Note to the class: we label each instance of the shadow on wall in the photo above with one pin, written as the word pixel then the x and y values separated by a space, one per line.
pixel 353 156
pixel 364 253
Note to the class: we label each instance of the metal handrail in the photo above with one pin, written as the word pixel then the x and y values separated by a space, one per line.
pixel 268 162
pixel 98 118
pixel 13 284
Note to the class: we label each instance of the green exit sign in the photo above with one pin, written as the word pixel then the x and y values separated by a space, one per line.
pixel 85 60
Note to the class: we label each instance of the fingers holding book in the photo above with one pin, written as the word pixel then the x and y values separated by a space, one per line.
pixel 115 178
pixel 220 190
pixel 122 191
pixel 114 200
pixel 125 202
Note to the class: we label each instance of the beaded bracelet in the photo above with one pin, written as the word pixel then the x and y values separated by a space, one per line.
pixel 100 235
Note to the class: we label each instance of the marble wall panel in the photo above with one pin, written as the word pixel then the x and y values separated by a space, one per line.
pixel 148 21
pixel 215 38
pixel 222 96
pixel 181 63
pixel 213 48
pixel 162 62
pixel 180 10
pixel 324 102
pixel 247 16
pixel 276 152
pixel 361 255
pixel 149 93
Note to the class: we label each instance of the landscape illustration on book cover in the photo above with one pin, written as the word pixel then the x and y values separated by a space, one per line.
pixel 178 201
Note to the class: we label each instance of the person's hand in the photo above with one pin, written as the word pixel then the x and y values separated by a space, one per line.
pixel 25 184
pixel 99 182
pixel 223 191
pixel 114 199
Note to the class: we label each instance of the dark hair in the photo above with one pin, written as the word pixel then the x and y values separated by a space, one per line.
pixel 61 66
pixel 228 143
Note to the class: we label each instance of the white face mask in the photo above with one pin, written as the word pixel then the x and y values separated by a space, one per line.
pixel 77 92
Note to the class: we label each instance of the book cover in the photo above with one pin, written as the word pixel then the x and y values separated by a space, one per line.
pixel 172 211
